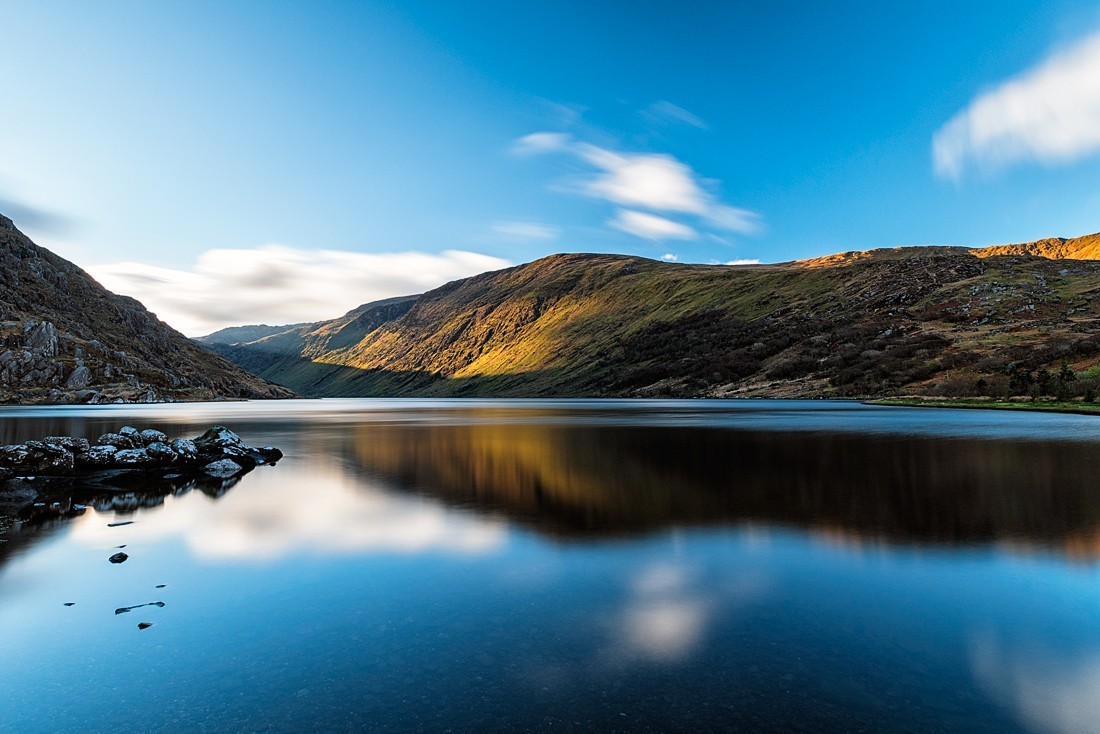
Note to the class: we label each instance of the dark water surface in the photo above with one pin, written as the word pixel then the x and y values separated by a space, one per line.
pixel 562 566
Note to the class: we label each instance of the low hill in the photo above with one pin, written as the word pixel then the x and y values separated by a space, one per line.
pixel 921 320
pixel 65 338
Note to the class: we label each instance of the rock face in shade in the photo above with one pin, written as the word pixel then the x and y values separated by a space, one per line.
pixel 64 338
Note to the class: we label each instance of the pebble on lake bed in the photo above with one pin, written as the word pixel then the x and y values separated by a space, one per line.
pixel 144 625
pixel 118 558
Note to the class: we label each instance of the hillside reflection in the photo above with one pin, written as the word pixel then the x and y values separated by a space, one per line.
pixel 590 481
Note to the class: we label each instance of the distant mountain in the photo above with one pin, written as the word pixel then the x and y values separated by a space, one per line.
pixel 244 334
pixel 65 338
pixel 927 320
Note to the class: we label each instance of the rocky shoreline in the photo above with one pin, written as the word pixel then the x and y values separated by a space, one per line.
pixel 120 467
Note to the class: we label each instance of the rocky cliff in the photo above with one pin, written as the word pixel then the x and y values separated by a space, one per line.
pixel 65 338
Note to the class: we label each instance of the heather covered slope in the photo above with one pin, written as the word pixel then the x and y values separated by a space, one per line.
pixel 66 338
pixel 935 320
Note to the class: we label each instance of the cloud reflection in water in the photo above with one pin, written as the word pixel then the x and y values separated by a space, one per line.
pixel 315 509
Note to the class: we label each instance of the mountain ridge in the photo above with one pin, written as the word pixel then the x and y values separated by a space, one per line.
pixel 921 320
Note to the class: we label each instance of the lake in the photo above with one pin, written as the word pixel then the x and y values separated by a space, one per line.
pixel 569 565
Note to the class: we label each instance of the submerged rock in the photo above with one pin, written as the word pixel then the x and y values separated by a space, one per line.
pixel 223 468
pixel 119 557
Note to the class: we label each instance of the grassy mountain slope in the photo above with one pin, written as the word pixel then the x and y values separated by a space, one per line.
pixel 66 338
pixel 908 320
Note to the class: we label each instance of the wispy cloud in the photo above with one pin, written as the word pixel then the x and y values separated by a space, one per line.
pixel 34 219
pixel 650 226
pixel 664 113
pixel 526 231
pixel 1049 114
pixel 541 143
pixel 655 181
pixel 275 284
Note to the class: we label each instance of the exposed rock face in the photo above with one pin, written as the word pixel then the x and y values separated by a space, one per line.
pixel 64 338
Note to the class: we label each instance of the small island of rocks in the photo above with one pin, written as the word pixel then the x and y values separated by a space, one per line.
pixel 218 453
pixel 127 458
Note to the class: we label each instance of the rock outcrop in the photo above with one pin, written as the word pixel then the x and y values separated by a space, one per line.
pixel 219 453
pixel 66 339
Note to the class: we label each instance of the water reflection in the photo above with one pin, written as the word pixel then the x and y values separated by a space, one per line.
pixel 609 480
pixel 499 570
pixel 379 483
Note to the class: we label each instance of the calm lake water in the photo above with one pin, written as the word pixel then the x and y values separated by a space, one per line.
pixel 556 566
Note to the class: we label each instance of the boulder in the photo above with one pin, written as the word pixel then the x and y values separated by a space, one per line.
pixel 160 451
pixel 97 456
pixel 117 440
pixel 221 443
pixel 185 448
pixel 45 447
pixel 49 463
pixel 74 445
pixel 79 377
pixel 149 436
pixel 266 455
pixel 14 456
pixel 133 458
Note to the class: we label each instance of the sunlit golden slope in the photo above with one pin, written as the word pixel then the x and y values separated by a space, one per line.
pixel 860 323
pixel 1055 248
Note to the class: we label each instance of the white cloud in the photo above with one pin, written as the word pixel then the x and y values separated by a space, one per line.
pixel 275 284
pixel 654 181
pixel 668 257
pixel 526 231
pixel 541 142
pixel 664 113
pixel 742 262
pixel 1049 114
pixel 650 226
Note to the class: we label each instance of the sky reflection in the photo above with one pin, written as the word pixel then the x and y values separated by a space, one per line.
pixel 416 576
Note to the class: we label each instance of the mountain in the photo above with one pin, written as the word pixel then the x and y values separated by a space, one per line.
pixel 65 338
pixel 1055 248
pixel 914 320
pixel 244 334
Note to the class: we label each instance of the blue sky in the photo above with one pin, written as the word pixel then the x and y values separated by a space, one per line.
pixel 270 161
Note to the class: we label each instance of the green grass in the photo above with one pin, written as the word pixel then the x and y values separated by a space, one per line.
pixel 1052 406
